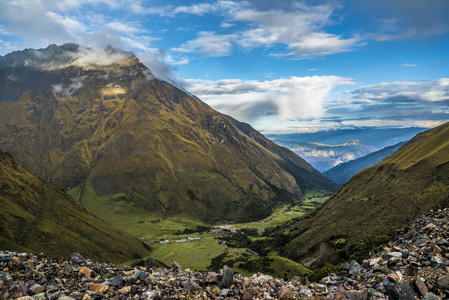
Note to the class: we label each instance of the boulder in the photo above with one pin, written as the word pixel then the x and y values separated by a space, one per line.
pixel 228 276
pixel 77 259
pixel 400 291
pixel 443 282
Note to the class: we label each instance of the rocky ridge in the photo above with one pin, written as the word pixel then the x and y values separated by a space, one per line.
pixel 414 265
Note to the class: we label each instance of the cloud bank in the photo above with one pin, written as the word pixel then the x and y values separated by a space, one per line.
pixel 277 105
pixel 279 99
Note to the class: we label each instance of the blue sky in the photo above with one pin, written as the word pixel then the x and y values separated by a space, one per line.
pixel 283 66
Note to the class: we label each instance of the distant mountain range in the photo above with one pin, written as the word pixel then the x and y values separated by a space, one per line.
pixel 99 124
pixel 37 217
pixel 376 137
pixel 343 172
pixel 412 181
pixel 323 157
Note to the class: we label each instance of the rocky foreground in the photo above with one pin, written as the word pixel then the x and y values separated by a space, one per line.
pixel 414 266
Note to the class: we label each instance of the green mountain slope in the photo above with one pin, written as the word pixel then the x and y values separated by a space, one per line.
pixel 37 217
pixel 100 125
pixel 404 185
pixel 343 172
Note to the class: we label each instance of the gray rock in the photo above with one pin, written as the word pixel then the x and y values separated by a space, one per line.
pixel 36 289
pixel 176 267
pixel 319 287
pixel 131 278
pixel 436 262
pixel 306 292
pixel 344 267
pixel 405 253
pixel 400 291
pixel 149 295
pixel 5 257
pixel 117 282
pixel 354 268
pixel 443 282
pixel 150 263
pixel 395 254
pixel 40 296
pixel 77 259
pixel 190 286
pixel 224 292
pixel 228 276
pixel 421 238
pixel 431 296
pixel 5 277
pixel 264 278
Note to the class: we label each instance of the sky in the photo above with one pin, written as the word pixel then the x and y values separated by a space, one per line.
pixel 283 66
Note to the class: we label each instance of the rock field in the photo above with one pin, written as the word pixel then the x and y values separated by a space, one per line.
pixel 415 265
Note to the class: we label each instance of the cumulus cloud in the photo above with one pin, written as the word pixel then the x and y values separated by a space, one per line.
pixel 208 44
pixel 299 27
pixel 422 91
pixel 285 98
pixel 276 105
pixel 420 104
pixel 161 64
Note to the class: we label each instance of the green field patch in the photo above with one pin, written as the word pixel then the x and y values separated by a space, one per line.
pixel 195 255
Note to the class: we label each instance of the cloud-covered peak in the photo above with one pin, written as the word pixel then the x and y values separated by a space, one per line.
pixel 54 57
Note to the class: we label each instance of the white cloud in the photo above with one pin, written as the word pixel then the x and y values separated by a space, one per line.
pixel 101 57
pixel 405 91
pixel 68 23
pixel 300 28
pixel 281 99
pixel 408 65
pixel 208 44
pixel 124 27
pixel 277 105
pixel 184 61
pixel 226 25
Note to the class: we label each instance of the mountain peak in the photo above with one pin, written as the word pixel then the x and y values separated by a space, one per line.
pixel 59 57
pixel 66 68
pixel 352 143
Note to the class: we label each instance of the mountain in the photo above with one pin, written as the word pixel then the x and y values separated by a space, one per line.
pixel 344 171
pixel 376 137
pixel 99 124
pixel 323 157
pixel 374 202
pixel 35 216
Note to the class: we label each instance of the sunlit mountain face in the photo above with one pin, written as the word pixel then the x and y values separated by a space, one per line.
pixel 100 124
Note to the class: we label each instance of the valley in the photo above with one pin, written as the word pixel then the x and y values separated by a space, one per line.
pixel 209 252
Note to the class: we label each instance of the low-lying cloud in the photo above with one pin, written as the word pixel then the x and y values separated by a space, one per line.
pixel 314 101
pixel 100 57
pixel 282 99
pixel 427 91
